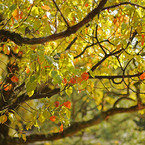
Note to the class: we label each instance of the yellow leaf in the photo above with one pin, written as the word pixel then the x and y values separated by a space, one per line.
pixel 24 137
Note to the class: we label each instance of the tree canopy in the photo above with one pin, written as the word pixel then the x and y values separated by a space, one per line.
pixel 68 65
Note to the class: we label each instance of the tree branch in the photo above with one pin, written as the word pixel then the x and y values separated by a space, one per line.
pixel 123 3
pixel 75 127
pixel 104 58
pixel 60 13
pixel 25 97
pixel 71 43
pixel 116 77
pixel 120 99
pixel 19 40
pixel 88 47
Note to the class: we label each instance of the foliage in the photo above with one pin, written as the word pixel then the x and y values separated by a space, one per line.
pixel 69 65
pixel 120 129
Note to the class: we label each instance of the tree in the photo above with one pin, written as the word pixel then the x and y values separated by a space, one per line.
pixel 69 63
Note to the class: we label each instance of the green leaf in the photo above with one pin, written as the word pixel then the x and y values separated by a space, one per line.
pixel 59 79
pixel 3 111
pixel 49 59
pixel 54 74
pixel 84 84
pixel 30 87
pixel 13 7
pixel 32 78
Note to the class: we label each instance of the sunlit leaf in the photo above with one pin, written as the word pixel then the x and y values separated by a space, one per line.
pixel 45 7
pixel 69 91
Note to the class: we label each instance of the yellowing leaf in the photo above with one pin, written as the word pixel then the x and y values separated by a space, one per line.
pixel 14 79
pixel 30 93
pixel 41 118
pixel 69 91
pixel 139 29
pixel 118 46
pixel 36 124
pixel 142 76
pixel 61 128
pixel 142 40
pixel 7 87
pixel 3 119
pixel 24 137
pixel 15 14
pixel 46 114
pixel 52 118
pixel 45 7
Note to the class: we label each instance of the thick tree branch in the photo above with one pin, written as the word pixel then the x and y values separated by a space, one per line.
pixel 19 40
pixel 25 97
pixel 76 127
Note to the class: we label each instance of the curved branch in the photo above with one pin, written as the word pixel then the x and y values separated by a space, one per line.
pixel 75 127
pixel 88 46
pixel 123 3
pixel 19 40
pixel 104 58
pixel 120 99
pixel 84 50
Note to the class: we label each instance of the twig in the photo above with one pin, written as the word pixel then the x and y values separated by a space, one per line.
pixel 61 13
pixel 25 108
pixel 72 42
pixel 19 40
pixel 120 99
pixel 99 42
pixel 30 106
pixel 123 3
pixel 104 58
